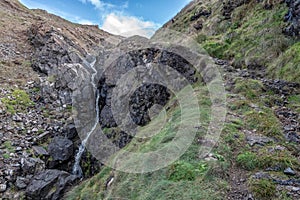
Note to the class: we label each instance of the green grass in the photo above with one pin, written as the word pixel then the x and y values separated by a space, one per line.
pixel 264 122
pixel 250 88
pixel 9 147
pixel 281 159
pixel 263 189
pixel 181 170
pixel 287 66
pixel 19 101
pixel 6 156
pixel 248 160
pixel 253 40
pixel 294 101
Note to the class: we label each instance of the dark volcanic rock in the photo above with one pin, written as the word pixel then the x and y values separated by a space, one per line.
pixel 60 148
pixel 51 49
pixel 202 11
pixel 229 6
pixel 70 131
pixel 32 165
pixel 49 184
pixel 293 17
pixel 21 182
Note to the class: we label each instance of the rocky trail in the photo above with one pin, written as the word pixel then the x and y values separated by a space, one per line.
pixel 289 122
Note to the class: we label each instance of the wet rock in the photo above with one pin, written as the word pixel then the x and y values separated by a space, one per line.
pixel 18 149
pixel 220 61
pixel 289 128
pixel 60 148
pixel 291 182
pixel 49 185
pixel 281 86
pixel 289 171
pixel 293 189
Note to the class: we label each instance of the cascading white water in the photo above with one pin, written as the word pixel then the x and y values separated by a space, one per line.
pixel 76 168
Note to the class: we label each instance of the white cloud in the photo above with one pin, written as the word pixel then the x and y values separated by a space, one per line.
pixel 100 5
pixel 128 25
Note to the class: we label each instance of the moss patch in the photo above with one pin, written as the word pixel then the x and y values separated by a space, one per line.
pixel 18 101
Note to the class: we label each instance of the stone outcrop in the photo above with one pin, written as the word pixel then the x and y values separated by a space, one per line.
pixel 49 185
pixel 293 17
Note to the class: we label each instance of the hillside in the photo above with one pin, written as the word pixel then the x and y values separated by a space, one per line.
pixel 36 127
pixel 259 35
pixel 62 83
pixel 254 44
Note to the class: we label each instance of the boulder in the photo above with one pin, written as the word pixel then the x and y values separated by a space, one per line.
pixel 49 185
pixel 70 131
pixel 60 148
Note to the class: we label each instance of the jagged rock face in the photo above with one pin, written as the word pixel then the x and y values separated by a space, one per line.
pixel 49 185
pixel 148 94
pixel 51 49
pixel 293 17
pixel 145 96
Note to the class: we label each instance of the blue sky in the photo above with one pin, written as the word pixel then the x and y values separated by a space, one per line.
pixel 122 17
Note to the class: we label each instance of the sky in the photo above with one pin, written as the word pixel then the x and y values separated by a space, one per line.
pixel 121 17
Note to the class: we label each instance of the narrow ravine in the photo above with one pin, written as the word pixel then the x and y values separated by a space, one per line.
pixel 77 168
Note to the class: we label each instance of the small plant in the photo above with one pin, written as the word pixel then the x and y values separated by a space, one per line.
pixel 249 88
pixel 281 159
pixel 247 160
pixel 263 189
pixel 9 147
pixel 185 171
pixel 5 156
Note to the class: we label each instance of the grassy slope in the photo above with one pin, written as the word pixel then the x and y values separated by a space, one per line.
pixel 251 38
pixel 193 178
pixel 187 178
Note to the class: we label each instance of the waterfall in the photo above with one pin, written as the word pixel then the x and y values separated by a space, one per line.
pixel 76 168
